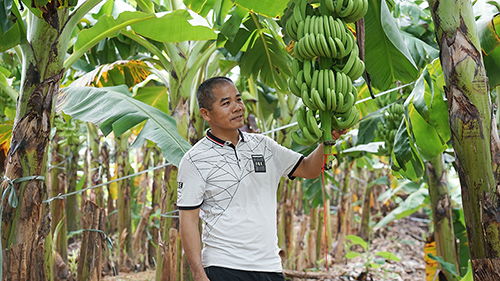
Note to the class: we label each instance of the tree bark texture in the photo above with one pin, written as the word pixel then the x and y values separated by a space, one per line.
pixel 95 164
pixel 168 205
pixel 25 227
pixel 442 214
pixel 57 182
pixel 155 204
pixel 344 211
pixel 126 252
pixel 89 264
pixel 472 125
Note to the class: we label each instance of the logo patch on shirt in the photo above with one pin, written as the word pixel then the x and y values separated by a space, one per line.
pixel 259 163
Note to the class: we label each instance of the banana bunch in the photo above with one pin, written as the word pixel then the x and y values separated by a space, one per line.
pixel 326 62
pixel 300 12
pixel 348 10
pixel 387 129
pixel 322 89
pixel 323 36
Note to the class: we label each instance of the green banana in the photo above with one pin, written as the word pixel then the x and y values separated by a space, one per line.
pixel 314 83
pixel 293 87
pixel 307 134
pixel 301 117
pixel 297 15
pixel 326 23
pixel 348 119
pixel 350 62
pixel 333 27
pixel 328 99
pixel 307 24
pixel 338 6
pixel 307 72
pixel 329 5
pixel 320 87
pixel 324 45
pixel 306 99
pixel 307 46
pixel 350 42
pixel 347 10
pixel 314 45
pixel 313 124
pixel 316 98
pixel 326 82
pixel 341 49
pixel 348 102
pixel 331 78
pixel 301 140
pixel 300 30
pixel 340 102
pixel 333 47
pixel 300 77
pixel 333 98
pixel 338 81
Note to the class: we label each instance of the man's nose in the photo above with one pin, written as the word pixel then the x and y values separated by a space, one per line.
pixel 238 107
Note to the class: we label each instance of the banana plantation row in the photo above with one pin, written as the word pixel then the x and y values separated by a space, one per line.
pixel 98 106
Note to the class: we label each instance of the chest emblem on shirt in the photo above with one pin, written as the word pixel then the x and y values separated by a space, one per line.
pixel 259 163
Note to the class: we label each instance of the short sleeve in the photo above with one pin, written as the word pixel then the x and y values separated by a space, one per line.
pixel 190 185
pixel 287 160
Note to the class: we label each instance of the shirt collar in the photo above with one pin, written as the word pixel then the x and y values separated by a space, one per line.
pixel 221 142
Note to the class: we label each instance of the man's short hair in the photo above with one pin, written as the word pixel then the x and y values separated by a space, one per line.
pixel 205 95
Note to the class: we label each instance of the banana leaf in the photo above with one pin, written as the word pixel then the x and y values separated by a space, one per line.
pixel 12 28
pixel 428 113
pixel 387 56
pixel 220 9
pixel 268 8
pixel 263 54
pixel 114 110
pixel 405 158
pixel 488 29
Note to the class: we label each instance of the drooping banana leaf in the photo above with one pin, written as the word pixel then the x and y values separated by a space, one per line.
pixel 114 110
pixel 405 159
pixel 428 113
pixel 387 56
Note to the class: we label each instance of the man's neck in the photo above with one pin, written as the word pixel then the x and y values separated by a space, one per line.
pixel 232 136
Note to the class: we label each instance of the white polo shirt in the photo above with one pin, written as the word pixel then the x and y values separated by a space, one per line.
pixel 235 189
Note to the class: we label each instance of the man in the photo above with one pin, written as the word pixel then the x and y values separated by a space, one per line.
pixel 229 179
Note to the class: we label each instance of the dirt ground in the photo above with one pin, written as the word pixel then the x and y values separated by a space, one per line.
pixel 404 238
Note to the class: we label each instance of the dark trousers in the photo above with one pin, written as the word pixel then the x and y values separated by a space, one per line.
pixel 216 273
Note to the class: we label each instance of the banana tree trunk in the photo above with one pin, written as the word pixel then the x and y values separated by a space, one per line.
pixel 25 226
pixel 72 210
pixel 125 251
pixel 442 215
pixel 155 204
pixel 473 128
pixel 344 215
pixel 57 207
pixel 95 168
pixel 167 224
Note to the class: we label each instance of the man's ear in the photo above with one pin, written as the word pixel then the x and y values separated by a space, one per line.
pixel 205 114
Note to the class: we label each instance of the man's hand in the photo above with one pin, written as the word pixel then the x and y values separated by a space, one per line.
pixel 336 134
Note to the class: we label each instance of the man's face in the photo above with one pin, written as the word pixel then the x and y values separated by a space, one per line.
pixel 228 110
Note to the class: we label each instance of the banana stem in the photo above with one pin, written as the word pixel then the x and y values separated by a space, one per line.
pixel 328 142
